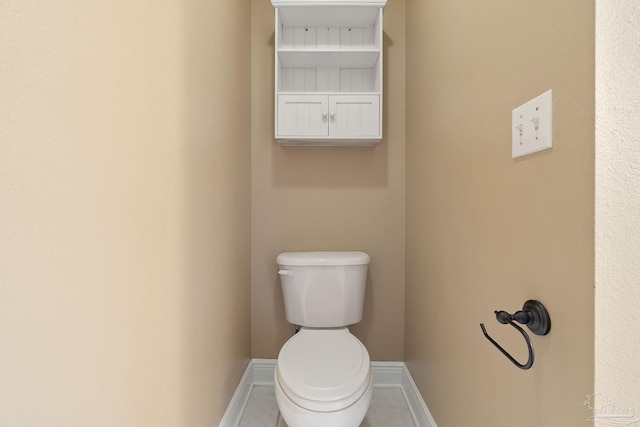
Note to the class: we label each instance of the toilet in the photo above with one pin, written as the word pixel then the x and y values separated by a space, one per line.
pixel 323 376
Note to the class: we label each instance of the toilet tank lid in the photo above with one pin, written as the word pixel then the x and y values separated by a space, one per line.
pixel 323 258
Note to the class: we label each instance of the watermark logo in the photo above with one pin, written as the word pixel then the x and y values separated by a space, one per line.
pixel 609 412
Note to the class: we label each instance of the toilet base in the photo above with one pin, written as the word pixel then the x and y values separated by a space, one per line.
pixel 296 416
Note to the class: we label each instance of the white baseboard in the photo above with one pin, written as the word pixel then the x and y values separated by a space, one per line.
pixel 260 372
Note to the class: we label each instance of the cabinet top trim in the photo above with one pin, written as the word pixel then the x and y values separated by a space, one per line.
pixel 377 3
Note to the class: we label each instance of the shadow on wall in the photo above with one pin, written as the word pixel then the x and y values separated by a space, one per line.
pixel 330 167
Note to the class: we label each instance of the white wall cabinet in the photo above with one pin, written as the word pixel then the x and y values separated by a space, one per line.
pixel 328 72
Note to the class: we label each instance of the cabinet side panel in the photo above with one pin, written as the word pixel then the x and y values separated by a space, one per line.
pixel 277 71
pixel 377 31
pixel 377 76
pixel 379 69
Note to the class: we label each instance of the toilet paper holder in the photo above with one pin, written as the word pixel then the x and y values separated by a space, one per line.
pixel 535 316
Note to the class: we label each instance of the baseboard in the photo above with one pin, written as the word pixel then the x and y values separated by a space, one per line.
pixel 232 415
pixel 260 372
pixel 417 406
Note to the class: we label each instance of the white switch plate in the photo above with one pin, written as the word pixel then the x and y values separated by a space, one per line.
pixel 532 126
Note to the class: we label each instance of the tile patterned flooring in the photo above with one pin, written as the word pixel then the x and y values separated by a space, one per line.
pixel 388 409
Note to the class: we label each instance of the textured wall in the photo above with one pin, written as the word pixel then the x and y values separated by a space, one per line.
pixel 617 203
pixel 329 199
pixel 124 211
pixel 487 232
pixel 216 196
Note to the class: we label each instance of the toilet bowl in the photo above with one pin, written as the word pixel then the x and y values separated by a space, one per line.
pixel 323 378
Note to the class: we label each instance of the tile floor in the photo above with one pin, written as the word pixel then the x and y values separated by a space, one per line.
pixel 388 409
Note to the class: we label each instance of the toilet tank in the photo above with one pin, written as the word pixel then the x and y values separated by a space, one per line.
pixel 323 289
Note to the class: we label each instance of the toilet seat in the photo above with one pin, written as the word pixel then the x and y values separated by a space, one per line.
pixel 324 369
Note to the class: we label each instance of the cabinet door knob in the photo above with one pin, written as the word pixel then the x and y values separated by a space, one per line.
pixel 333 117
pixel 324 117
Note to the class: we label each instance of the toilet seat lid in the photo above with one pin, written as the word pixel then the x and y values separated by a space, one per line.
pixel 324 369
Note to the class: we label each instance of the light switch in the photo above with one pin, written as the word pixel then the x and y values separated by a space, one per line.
pixel 532 126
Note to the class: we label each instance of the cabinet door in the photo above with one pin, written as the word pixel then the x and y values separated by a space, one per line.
pixel 302 115
pixel 354 116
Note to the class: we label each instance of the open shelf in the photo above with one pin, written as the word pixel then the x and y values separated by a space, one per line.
pixel 319 58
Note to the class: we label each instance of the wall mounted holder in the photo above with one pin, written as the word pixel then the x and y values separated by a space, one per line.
pixel 535 316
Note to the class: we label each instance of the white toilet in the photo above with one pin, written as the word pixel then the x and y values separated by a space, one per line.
pixel 323 376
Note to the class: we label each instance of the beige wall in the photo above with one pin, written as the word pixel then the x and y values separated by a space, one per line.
pixel 217 111
pixel 329 199
pixel 487 232
pixel 124 215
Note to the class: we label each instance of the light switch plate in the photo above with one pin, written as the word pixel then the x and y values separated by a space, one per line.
pixel 532 126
